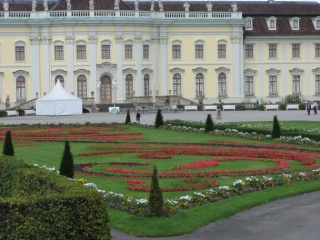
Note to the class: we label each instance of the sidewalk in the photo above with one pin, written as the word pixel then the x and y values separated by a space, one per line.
pixel 227 116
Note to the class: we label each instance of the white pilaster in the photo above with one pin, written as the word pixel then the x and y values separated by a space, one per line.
pixel 70 59
pixel 237 66
pixel 1 90
pixel 93 66
pixel 155 65
pixel 120 85
pixel 46 56
pixel 139 80
pixel 35 66
pixel 163 66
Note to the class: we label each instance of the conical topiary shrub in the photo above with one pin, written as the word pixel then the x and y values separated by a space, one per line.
pixel 209 124
pixel 156 203
pixel 276 132
pixel 66 165
pixel 8 146
pixel 159 119
pixel 128 119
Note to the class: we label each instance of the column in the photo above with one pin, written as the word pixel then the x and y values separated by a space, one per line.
pixel 237 67
pixel 35 66
pixel 139 81
pixel 119 80
pixel 1 91
pixel 155 64
pixel 46 57
pixel 92 81
pixel 70 62
pixel 163 66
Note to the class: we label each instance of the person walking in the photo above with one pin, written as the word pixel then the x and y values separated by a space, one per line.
pixel 138 115
pixel 315 107
pixel 308 107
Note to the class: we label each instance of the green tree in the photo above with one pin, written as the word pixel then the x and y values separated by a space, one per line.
pixel 276 132
pixel 159 119
pixel 209 124
pixel 156 203
pixel 66 165
pixel 128 119
pixel 8 146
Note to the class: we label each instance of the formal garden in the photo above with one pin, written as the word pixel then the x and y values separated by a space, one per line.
pixel 202 171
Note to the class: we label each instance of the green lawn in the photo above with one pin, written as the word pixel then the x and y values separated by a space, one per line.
pixel 186 221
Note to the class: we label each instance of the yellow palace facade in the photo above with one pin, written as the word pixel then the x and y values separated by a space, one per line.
pixel 139 51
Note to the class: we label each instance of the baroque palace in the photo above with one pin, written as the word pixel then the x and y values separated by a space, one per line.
pixel 160 52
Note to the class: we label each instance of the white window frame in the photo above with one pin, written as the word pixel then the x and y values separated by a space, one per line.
pixel 249 23
pixel 176 43
pixel 199 43
pixel 20 44
pixel 81 43
pixel 272 23
pixel 294 21
pixel 127 44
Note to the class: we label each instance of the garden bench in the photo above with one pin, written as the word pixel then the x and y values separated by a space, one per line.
pixel 272 107
pixel 29 112
pixel 186 108
pixel 229 107
pixel 211 107
pixel 12 113
pixel 292 106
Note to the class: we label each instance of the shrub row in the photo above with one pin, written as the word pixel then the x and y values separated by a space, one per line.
pixel 39 204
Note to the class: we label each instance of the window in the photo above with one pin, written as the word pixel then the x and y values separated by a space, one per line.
pixel 82 86
pixel 199 51
pixel 128 51
pixel 295 50
pixel 249 51
pixel 58 53
pixel 199 84
pixel 295 24
pixel 272 50
pixel 222 85
pixel 317 84
pixel 249 86
pixel 221 51
pixel 272 24
pixel 20 53
pixel 317 50
pixel 146 84
pixel 273 85
pixel 296 84
pixel 318 23
pixel 60 78
pixel 81 52
pixel 105 51
pixel 129 86
pixel 21 88
pixel 176 51
pixel 177 84
pixel 248 24
pixel 145 51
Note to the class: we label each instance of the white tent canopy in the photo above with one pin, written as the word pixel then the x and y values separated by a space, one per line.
pixel 58 102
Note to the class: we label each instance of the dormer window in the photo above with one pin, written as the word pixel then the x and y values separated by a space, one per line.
pixel 249 23
pixel 295 23
pixel 272 23
pixel 316 23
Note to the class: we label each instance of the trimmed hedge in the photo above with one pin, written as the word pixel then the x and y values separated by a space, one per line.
pixel 44 205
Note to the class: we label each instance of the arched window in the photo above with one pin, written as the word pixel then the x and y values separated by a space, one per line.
pixel 249 86
pixel 21 88
pixel 177 84
pixel 272 24
pixel 82 86
pixel 222 85
pixel 317 84
pixel 60 78
pixel 129 86
pixel 146 85
pixel 295 24
pixel 199 84
pixel 106 89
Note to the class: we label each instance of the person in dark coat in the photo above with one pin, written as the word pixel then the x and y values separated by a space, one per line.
pixel 308 107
